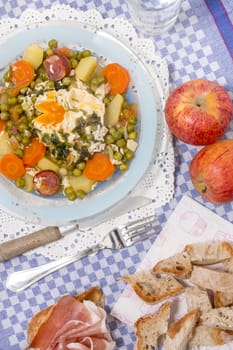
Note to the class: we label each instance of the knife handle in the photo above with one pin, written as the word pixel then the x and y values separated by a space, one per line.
pixel 17 246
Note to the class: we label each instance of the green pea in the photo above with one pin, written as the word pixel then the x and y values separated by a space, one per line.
pixel 22 127
pixel 81 165
pixel 129 155
pixel 19 152
pixel 132 135
pixel 117 135
pixel 5 116
pixel 6 76
pixel 117 156
pixel 89 137
pixel 73 62
pixel 12 101
pixel 70 194
pixel 66 81
pixel 20 98
pixel 25 140
pixel 49 84
pixel 77 172
pixel 4 107
pixel 49 52
pixel 19 137
pixel 52 44
pixel 132 119
pixel 109 139
pixel 33 84
pixel 20 182
pixel 123 167
pixel 80 194
pixel 121 142
pixel 86 53
pixel 9 124
pixel 130 127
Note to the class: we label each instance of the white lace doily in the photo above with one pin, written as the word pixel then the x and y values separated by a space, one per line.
pixel 157 187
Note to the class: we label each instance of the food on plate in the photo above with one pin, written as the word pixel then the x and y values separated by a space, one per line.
pixel 228 264
pixel 64 112
pixel 223 298
pixel 178 265
pixel 180 332
pixel 197 298
pixel 148 329
pixel 211 279
pixel 74 322
pixel 152 287
pixel 209 336
pixel 222 317
pixel 211 171
pixel 209 252
pixel 199 112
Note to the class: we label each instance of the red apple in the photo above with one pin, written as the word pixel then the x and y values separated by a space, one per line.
pixel 211 171
pixel 198 112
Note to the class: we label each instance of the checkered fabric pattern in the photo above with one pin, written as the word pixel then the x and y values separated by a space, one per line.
pixel 194 49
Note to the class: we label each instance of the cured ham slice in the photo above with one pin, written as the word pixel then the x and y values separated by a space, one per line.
pixel 73 325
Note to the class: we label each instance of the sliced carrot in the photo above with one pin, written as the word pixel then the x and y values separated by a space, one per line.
pixel 2 125
pixel 22 74
pixel 99 167
pixel 11 166
pixel 33 152
pixel 53 113
pixel 118 78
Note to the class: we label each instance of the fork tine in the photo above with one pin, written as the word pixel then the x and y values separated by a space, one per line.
pixel 136 224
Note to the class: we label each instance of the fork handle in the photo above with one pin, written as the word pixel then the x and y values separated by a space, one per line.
pixel 20 280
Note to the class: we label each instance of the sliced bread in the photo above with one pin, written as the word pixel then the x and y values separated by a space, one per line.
pixel 148 329
pixel 207 336
pixel 197 298
pixel 181 331
pixel 152 287
pixel 221 317
pixel 206 253
pixel 211 279
pixel 178 265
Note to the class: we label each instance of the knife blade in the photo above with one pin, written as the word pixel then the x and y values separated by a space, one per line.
pixel 20 245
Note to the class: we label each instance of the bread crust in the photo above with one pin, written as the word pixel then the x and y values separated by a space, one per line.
pixel 148 329
pixel 206 253
pixel 178 265
pixel 211 279
pixel 153 288
pixel 181 331
pixel 93 294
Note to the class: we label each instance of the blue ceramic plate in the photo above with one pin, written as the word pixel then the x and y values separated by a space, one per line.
pixel 58 210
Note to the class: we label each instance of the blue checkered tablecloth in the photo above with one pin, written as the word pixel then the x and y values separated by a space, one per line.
pixel 199 46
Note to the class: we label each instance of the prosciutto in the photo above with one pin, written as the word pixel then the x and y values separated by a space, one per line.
pixel 73 325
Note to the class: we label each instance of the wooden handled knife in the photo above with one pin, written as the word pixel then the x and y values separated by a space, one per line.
pixel 20 245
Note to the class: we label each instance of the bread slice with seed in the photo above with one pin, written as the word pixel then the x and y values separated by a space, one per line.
pixel 212 279
pixel 207 336
pixel 197 298
pixel 221 317
pixel 148 329
pixel 207 253
pixel 178 265
pixel 180 332
pixel 152 287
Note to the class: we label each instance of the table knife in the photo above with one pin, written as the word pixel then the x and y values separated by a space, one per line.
pixel 20 245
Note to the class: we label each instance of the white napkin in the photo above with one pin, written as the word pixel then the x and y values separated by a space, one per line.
pixel 189 223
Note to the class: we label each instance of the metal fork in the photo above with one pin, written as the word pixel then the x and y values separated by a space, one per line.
pixel 118 238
